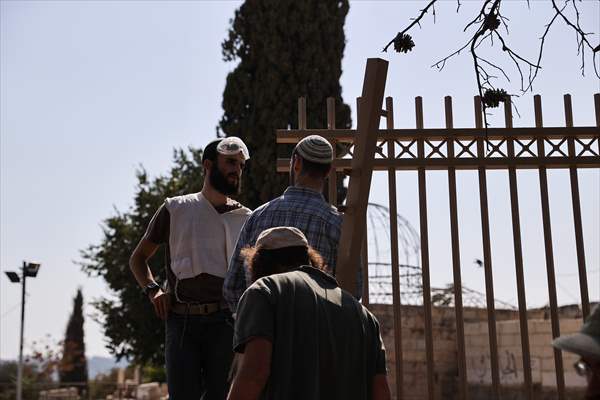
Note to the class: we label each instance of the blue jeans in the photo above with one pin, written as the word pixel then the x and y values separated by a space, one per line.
pixel 198 355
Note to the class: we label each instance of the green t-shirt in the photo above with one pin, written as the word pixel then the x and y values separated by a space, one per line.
pixel 326 345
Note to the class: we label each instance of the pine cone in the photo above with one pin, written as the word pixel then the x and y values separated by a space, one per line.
pixel 493 97
pixel 403 43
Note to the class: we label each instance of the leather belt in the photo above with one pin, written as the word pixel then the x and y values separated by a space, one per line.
pixel 196 309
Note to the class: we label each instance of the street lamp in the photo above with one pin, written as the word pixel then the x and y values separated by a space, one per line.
pixel 30 270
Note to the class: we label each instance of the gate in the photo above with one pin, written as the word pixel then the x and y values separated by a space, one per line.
pixel 453 149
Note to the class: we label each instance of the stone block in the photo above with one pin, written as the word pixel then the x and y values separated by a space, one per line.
pixel 541 339
pixel 470 330
pixel 444 345
pixel 548 364
pixel 574 380
pixel 540 350
pixel 507 327
pixel 540 326
pixel 569 326
pixel 471 341
pixel 148 391
pixel 413 355
pixel 473 328
pixel 512 353
pixel 536 370
pixel 549 379
pixel 410 343
pixel 509 340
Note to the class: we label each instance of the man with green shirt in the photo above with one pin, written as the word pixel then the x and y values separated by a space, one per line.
pixel 300 335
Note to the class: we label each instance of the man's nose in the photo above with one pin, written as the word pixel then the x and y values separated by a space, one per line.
pixel 238 168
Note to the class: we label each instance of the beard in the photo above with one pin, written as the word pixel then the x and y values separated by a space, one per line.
pixel 221 184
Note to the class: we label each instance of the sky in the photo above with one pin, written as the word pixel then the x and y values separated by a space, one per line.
pixel 92 90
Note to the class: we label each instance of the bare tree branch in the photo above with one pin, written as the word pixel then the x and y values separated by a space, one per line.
pixel 579 42
pixel 516 58
pixel 415 21
pixel 488 20
pixel 581 34
pixel 494 66
pixel 485 26
pixel 479 16
pixel 443 60
pixel 543 40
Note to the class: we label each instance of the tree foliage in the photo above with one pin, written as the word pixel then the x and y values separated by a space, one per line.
pixel 40 365
pixel 130 326
pixel 73 365
pixel 35 378
pixel 285 49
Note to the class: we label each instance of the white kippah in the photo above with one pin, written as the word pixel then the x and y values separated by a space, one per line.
pixel 233 145
pixel 315 148
pixel 281 236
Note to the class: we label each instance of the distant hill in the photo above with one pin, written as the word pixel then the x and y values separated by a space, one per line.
pixel 96 365
pixel 100 365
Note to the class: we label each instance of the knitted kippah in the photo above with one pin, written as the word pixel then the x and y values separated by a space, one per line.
pixel 315 148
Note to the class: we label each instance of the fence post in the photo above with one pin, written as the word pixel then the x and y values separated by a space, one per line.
pixel 353 227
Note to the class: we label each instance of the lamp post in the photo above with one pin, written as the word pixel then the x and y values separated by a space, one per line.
pixel 28 270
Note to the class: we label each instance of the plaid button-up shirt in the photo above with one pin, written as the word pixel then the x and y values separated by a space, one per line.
pixel 302 208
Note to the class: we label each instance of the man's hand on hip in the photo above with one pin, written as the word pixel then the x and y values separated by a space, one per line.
pixel 161 302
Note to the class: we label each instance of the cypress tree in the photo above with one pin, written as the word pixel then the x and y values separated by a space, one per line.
pixel 73 366
pixel 285 49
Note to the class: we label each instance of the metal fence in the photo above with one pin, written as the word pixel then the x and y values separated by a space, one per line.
pixel 453 149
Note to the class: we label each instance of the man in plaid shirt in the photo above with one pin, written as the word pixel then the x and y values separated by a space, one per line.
pixel 302 206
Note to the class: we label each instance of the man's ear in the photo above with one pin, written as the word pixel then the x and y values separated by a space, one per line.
pixel 297 164
pixel 207 164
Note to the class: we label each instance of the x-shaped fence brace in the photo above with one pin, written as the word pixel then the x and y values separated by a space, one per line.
pixel 495 148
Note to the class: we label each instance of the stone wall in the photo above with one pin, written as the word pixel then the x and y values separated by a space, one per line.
pixel 510 355
pixel 477 349
pixel 413 346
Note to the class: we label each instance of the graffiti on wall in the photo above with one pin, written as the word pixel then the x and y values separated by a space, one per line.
pixel 510 368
